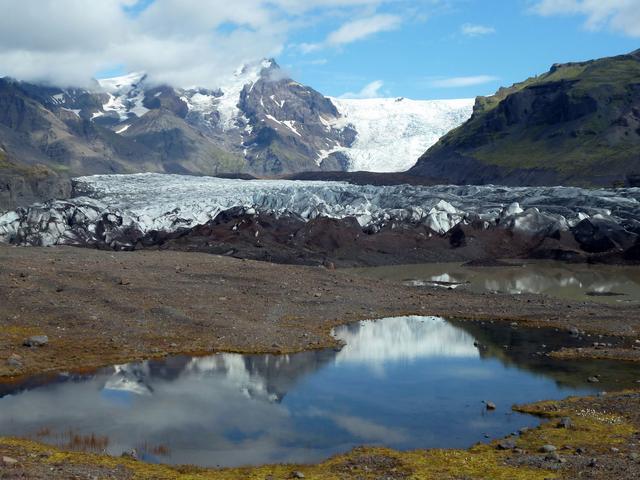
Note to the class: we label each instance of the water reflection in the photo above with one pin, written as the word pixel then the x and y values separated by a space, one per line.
pixel 405 382
pixel 602 283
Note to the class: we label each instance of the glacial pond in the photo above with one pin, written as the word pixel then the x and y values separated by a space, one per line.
pixel 407 382
pixel 594 283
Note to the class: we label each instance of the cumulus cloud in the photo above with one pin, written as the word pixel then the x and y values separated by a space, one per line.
pixel 618 15
pixel 181 42
pixel 471 30
pixel 457 82
pixel 371 90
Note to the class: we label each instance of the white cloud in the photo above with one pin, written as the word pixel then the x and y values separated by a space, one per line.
pixel 371 90
pixel 362 28
pixel 617 15
pixel 471 30
pixel 182 42
pixel 457 82
pixel 356 30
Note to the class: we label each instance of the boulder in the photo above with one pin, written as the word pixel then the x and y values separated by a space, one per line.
pixel 36 341
pixel 601 234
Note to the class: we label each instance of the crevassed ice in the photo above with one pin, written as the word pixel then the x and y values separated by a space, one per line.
pixel 394 132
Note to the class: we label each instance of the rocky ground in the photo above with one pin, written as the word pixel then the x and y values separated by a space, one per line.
pixel 100 307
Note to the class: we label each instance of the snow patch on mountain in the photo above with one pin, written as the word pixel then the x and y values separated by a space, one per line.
pixel 245 76
pixel 394 132
pixel 126 94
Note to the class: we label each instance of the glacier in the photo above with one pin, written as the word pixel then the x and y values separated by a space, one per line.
pixel 118 210
pixel 392 133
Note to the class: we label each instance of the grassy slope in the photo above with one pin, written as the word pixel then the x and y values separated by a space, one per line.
pixel 592 144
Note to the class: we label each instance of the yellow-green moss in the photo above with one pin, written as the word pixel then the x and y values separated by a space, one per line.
pixel 479 462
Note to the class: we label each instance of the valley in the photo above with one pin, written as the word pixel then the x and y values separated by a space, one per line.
pixel 257 280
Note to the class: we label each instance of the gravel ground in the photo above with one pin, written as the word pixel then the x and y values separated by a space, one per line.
pixel 99 308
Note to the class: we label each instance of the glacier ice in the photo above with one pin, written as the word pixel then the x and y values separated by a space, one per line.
pixel 110 208
pixel 392 133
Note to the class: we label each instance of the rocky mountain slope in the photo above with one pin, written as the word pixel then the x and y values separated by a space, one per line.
pixel 259 122
pixel 577 124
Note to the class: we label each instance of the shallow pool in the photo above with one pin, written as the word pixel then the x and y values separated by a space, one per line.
pixel 409 382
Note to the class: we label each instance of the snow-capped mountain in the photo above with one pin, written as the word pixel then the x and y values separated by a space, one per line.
pixel 390 133
pixel 260 121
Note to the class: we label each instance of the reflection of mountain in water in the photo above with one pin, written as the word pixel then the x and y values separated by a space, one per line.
pixel 270 377
pixel 231 410
pixel 267 377
pixel 527 348
pixel 133 377
pixel 403 338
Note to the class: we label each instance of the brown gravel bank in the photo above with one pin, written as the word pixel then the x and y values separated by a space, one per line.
pixel 99 307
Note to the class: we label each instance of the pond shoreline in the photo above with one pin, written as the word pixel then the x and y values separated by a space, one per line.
pixel 100 308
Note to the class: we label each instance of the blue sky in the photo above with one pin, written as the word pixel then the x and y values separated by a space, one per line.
pixel 500 42
pixel 413 48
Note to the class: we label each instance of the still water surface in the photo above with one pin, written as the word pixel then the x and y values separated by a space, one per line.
pixel 595 283
pixel 409 382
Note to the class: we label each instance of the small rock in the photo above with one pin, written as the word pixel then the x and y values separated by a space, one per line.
pixel 581 451
pixel 15 361
pixel 9 461
pixel 297 475
pixel 124 281
pixel 548 448
pixel 317 294
pixel 36 341
pixel 593 379
pixel 634 456
pixel 552 456
pixel 506 445
pixel 565 422
pixel 574 331
pixel 276 345
pixel 615 450
pixel 593 462
pixel 490 405
pixel 518 450
pixel 523 430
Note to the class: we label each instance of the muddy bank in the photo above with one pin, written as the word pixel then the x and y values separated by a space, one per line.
pixel 100 307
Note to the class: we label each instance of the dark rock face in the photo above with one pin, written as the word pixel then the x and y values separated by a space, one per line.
pixel 21 191
pixel 577 124
pixel 287 131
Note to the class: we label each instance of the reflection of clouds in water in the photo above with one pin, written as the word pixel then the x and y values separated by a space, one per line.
pixel 531 282
pixel 403 338
pixel 363 429
pixel 187 410
pixel 472 373
pixel 445 278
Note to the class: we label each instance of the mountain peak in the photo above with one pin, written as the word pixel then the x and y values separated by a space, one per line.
pixel 122 82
